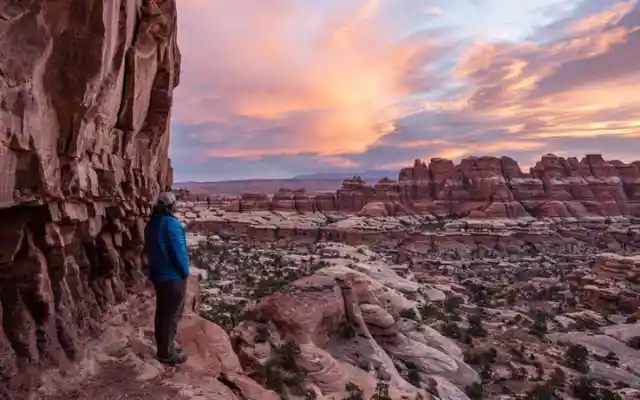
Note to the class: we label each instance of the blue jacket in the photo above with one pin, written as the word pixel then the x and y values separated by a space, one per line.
pixel 166 248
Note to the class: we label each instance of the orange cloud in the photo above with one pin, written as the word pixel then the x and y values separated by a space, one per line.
pixel 345 82
pixel 604 19
pixel 280 79
pixel 504 80
pixel 340 162
pixel 496 148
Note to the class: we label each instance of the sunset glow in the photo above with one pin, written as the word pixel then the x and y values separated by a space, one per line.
pixel 274 88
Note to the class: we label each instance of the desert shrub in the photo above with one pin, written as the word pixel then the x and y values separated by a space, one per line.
pixel 451 303
pixel 413 376
pixel 475 391
pixel 480 356
pixel 281 373
pixel 262 334
pixel 382 392
pixel 539 326
pixel 543 391
pixel 584 389
pixel 452 330
pixel 225 314
pixel 612 359
pixel 606 394
pixel 476 329
pixel 353 392
pixel 430 310
pixel 634 342
pixel 486 373
pixel 410 313
pixel 576 357
pixel 346 331
pixel 269 286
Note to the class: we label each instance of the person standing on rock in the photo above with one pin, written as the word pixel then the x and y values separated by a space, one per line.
pixel 166 249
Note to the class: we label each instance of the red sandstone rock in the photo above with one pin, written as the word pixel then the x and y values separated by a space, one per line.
pixel 96 93
pixel 283 200
pixel 325 202
pixel 484 187
pixel 621 267
pixel 383 209
pixel 288 200
pixel 315 309
pixel 86 89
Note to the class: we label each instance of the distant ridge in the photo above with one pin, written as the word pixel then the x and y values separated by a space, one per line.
pixel 312 183
pixel 370 175
pixel 238 187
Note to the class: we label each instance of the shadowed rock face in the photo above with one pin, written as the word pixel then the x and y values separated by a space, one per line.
pixel 85 97
pixel 479 187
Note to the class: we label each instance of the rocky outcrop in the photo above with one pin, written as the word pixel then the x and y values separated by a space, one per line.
pixel 608 340
pixel 618 266
pixel 482 236
pixel 125 353
pixel 85 97
pixel 346 322
pixel 483 187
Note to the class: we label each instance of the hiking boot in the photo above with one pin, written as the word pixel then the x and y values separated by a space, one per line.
pixel 174 359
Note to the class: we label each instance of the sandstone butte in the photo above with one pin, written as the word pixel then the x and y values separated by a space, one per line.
pixel 478 187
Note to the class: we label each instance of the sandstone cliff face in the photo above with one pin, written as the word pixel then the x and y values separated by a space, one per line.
pixel 85 96
pixel 481 187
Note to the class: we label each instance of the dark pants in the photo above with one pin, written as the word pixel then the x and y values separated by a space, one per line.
pixel 169 308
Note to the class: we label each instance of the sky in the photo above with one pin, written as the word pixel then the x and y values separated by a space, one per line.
pixel 277 88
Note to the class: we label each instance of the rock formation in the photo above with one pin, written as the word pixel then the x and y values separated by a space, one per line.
pixel 347 323
pixel 417 304
pixel 622 267
pixel 85 97
pixel 480 187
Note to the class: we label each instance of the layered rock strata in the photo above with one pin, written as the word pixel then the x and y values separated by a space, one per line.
pixel 504 235
pixel 346 320
pixel 480 187
pixel 85 97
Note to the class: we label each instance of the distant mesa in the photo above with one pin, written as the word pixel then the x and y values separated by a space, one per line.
pixel 478 187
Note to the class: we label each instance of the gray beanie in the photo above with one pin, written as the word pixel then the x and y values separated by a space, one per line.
pixel 166 198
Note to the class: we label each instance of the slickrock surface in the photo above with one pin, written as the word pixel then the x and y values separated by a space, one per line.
pixel 465 309
pixel 121 363
pixel 343 318
pixel 479 187
pixel 85 97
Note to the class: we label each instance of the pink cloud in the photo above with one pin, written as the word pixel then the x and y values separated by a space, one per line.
pixel 333 83
pixel 272 61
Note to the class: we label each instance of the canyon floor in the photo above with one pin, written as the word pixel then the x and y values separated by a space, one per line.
pixel 336 306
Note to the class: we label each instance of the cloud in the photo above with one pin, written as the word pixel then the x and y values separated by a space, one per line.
pixel 525 89
pixel 433 10
pixel 328 85
pixel 282 87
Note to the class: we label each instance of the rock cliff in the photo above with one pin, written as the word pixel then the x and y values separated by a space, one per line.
pixel 85 97
pixel 479 187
